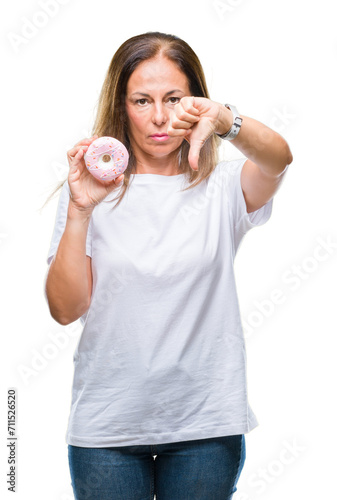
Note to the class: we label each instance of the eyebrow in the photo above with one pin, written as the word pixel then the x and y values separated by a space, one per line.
pixel 167 93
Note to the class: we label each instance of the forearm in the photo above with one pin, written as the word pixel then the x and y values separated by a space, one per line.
pixel 67 285
pixel 259 143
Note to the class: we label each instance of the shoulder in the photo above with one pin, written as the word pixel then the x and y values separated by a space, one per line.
pixel 228 171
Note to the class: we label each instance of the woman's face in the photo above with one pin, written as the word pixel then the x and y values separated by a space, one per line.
pixel 153 89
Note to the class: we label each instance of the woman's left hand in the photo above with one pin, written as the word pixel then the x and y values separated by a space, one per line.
pixel 196 119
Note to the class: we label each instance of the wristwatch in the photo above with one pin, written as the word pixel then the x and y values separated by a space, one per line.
pixel 235 128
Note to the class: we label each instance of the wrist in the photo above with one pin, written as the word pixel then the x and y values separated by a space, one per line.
pixel 236 123
pixel 225 120
pixel 78 213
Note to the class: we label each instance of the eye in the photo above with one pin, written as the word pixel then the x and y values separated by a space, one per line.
pixel 178 99
pixel 138 100
pixel 141 102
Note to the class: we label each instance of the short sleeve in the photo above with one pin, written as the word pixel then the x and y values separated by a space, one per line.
pixel 60 223
pixel 242 221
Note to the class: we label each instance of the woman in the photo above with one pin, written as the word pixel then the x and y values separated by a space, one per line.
pixel 159 402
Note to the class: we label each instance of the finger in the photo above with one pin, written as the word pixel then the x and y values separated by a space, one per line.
pixel 193 155
pixel 191 114
pixel 75 160
pixel 185 122
pixel 187 135
pixel 119 180
pixel 177 125
pixel 74 167
pixel 112 183
pixel 72 152
pixel 187 104
pixel 186 113
pixel 80 152
pixel 83 142
pixel 87 140
pixel 76 163
pixel 177 132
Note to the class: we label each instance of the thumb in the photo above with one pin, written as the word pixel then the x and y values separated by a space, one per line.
pixel 193 155
pixel 119 180
pixel 111 184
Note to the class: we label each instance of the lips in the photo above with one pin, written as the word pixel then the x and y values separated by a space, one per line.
pixel 160 137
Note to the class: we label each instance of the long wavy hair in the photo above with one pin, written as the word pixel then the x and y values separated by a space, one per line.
pixel 111 117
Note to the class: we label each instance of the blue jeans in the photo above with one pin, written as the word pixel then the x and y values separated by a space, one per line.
pixel 203 469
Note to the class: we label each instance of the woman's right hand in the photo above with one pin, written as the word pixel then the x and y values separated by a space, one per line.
pixel 86 191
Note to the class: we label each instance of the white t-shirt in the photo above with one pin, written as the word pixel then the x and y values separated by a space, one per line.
pixel 161 357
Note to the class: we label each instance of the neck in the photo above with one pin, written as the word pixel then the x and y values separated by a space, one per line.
pixel 165 165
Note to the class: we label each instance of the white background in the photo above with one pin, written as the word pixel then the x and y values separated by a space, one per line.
pixel 274 60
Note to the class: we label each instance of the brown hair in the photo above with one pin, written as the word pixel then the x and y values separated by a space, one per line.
pixel 111 118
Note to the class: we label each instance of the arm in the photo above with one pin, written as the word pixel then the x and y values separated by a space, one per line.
pixel 69 280
pixel 268 157
pixel 268 154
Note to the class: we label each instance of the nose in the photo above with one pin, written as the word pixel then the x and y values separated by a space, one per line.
pixel 160 113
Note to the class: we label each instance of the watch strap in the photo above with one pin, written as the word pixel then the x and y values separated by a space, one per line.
pixel 235 128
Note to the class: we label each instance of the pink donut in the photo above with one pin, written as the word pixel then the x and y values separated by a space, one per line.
pixel 106 158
